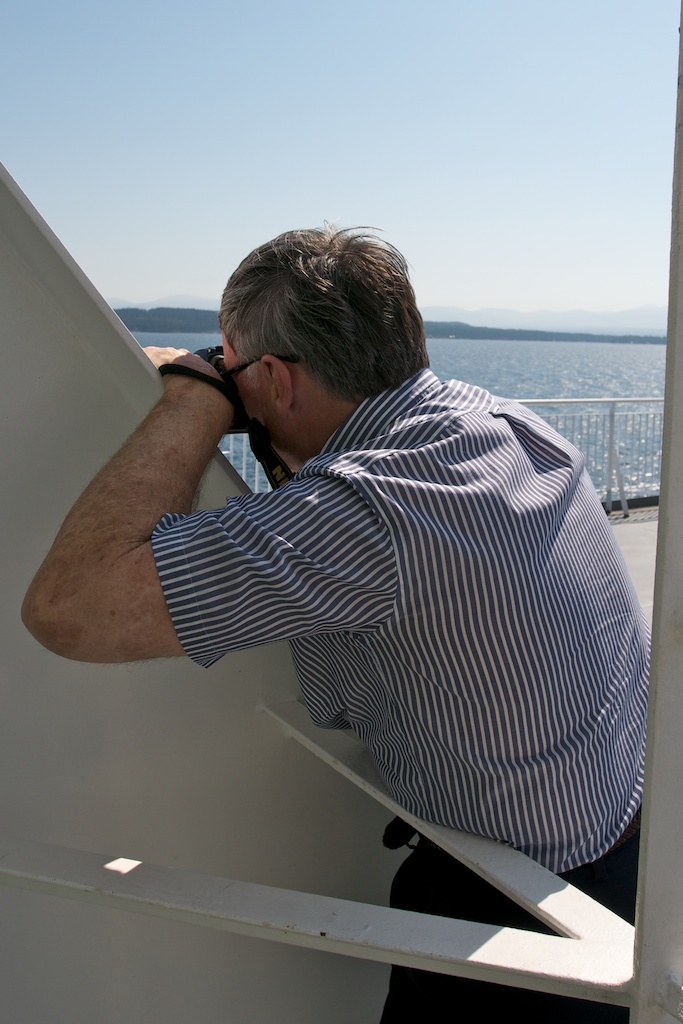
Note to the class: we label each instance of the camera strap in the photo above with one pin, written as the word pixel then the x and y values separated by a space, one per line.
pixel 277 471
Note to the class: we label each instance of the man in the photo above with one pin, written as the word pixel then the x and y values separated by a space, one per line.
pixel 440 564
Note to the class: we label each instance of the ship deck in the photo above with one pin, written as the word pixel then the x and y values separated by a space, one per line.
pixel 637 538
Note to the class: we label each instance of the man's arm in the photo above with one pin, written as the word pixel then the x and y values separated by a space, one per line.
pixel 97 595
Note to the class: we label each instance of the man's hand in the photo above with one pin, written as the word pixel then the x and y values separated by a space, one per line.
pixel 161 356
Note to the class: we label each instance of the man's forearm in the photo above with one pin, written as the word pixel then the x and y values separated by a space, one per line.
pixel 97 592
pixel 158 469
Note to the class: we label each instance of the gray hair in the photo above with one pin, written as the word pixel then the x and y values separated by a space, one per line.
pixel 338 300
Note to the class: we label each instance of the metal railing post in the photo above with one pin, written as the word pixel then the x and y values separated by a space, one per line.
pixel 610 457
pixel 615 464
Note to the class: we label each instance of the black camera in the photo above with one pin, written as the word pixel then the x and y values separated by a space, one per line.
pixel 213 356
pixel 277 471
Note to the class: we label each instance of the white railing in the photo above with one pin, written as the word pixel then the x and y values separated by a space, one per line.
pixel 620 437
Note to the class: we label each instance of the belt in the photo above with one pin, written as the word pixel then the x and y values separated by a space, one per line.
pixel 630 831
pixel 398 833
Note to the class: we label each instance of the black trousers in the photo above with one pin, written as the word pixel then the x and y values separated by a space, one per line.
pixel 432 882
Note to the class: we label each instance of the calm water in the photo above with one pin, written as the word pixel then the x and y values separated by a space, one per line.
pixel 524 369
pixel 553 369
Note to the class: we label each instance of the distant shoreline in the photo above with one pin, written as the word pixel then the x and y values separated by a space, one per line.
pixel 169 320
pixel 441 329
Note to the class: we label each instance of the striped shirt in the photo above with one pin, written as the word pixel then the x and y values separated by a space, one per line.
pixel 451 591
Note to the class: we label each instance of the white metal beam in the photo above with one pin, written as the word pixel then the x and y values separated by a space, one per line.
pixel 600 970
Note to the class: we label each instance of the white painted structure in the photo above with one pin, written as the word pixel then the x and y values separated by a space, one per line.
pixel 219 775
pixel 161 762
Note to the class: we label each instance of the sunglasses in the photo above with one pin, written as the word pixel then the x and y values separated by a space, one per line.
pixel 242 366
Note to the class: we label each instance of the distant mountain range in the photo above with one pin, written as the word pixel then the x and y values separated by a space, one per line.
pixel 644 320
pixel 169 302
pixel 183 320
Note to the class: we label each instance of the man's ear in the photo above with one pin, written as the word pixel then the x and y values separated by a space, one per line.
pixel 278 376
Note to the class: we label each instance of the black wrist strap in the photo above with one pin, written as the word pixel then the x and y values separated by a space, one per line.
pixel 227 388
pixel 187 371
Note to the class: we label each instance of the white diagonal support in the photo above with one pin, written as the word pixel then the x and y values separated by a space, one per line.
pixel 584 968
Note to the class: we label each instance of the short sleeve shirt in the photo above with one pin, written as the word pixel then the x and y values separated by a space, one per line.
pixel 451 590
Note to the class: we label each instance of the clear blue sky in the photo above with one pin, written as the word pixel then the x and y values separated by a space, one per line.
pixel 518 153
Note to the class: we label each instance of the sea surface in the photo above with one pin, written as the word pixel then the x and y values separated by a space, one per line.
pixel 522 369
